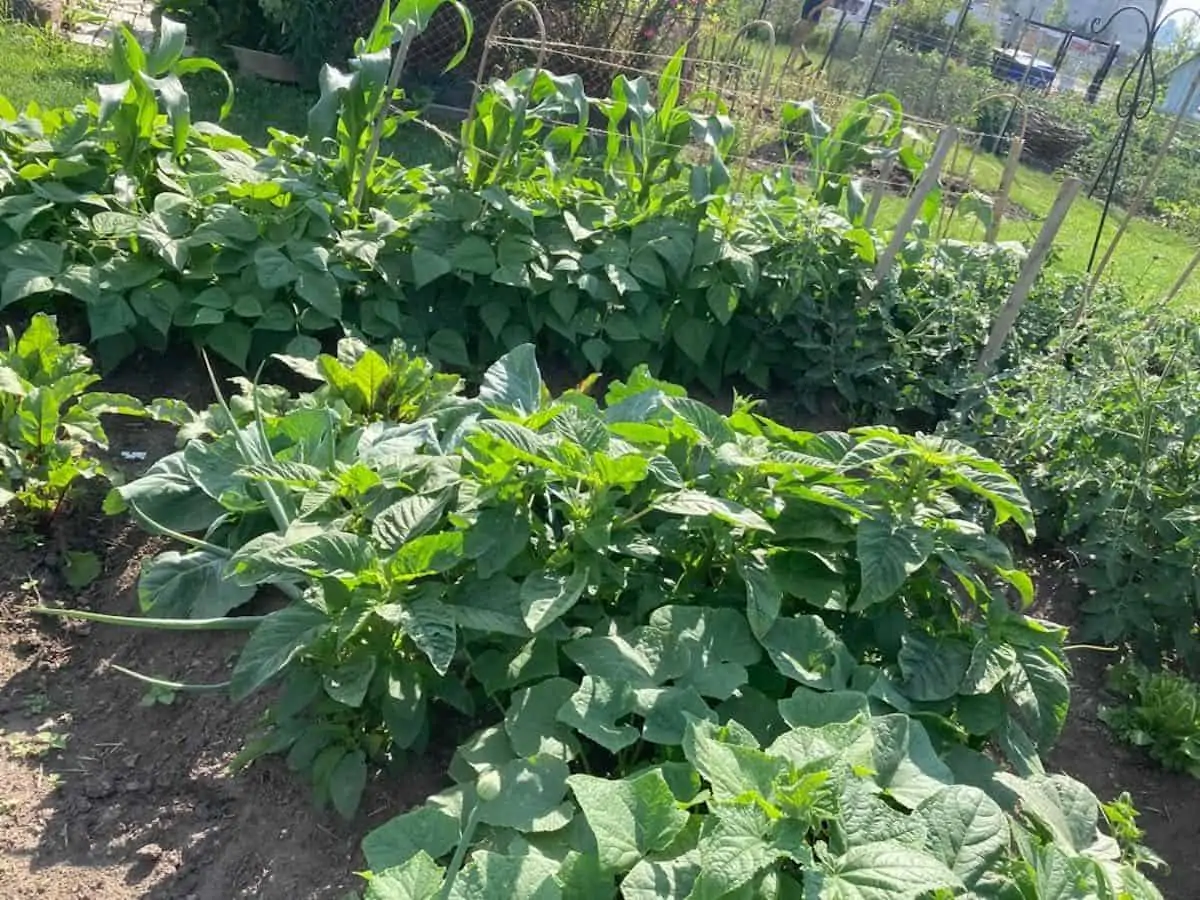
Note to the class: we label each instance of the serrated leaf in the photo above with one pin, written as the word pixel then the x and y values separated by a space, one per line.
pixel 882 871
pixel 418 878
pixel 670 879
pixel 406 519
pixel 492 876
pixel 630 818
pixel 966 830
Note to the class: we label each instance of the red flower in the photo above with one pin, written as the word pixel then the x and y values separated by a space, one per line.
pixel 649 32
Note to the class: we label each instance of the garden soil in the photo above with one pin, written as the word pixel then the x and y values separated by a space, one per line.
pixel 119 800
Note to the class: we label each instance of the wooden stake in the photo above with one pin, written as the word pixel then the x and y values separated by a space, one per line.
pixel 1007 317
pixel 1006 182
pixel 1182 279
pixel 929 180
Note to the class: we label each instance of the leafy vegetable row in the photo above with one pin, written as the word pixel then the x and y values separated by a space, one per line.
pixel 607 250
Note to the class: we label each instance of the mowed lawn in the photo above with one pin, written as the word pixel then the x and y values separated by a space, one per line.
pixel 1147 262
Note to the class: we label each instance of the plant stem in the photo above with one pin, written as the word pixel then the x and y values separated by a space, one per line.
pixel 235 623
pixel 460 852
pixel 171 685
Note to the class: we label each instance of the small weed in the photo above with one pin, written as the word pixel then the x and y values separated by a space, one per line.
pixel 35 704
pixel 81 568
pixel 1122 816
pixel 37 745
pixel 157 695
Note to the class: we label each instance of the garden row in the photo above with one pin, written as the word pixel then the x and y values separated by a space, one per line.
pixel 724 655
pixel 606 251
pixel 786 652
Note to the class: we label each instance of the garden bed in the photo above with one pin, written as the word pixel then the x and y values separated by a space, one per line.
pixel 137 803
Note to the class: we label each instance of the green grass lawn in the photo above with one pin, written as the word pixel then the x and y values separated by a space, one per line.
pixel 1147 261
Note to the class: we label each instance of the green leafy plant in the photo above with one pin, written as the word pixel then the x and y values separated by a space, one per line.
pixel 1159 710
pixel 129 108
pixel 352 103
pixel 840 804
pixel 1104 435
pixel 48 420
pixel 834 155
pixel 682 561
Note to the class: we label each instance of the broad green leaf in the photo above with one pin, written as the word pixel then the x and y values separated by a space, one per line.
pixel 430 829
pixel 347 681
pixel 906 765
pixel 865 818
pixel 1067 809
pixel 427 555
pixel 1062 877
pixel 448 346
pixel 492 876
pixel 428 266
pixel 694 336
pixel 667 710
pixel 431 625
pixel 708 649
pixel 732 768
pixel 81 568
pixel 700 504
pixel 273 644
pixel 812 709
pixel 531 792
pixel 346 783
pixel 1037 687
pixel 168 495
pixel 274 270
pixel 966 830
pixel 630 818
pixel 990 664
pixel 532 723
pixel 933 668
pixel 194 584
pixel 669 879
pixel 418 878
pixel 763 594
pixel 316 554
pixel 596 707
pixel 883 871
pixel 887 555
pixel 805 649
pixel 514 382
pixel 406 519
pixel 734 851
pixel 546 596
